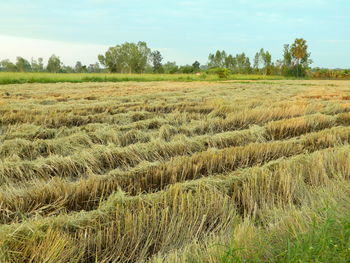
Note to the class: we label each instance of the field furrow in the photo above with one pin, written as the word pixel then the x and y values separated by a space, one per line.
pixel 160 168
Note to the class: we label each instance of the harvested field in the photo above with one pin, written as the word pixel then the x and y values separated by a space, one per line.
pixel 166 171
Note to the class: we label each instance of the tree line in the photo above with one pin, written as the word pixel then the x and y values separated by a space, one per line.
pixel 295 61
pixel 139 58
pixel 54 65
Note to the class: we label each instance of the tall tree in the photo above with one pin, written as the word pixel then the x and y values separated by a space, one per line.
pixel 156 59
pixel 23 65
pixel 230 63
pixel 196 66
pixel 300 55
pixel 79 67
pixel 217 60
pixel 54 64
pixel 299 49
pixel 256 64
pixel 243 64
pixel 37 65
pixel 287 56
pixel 286 63
pixel 267 60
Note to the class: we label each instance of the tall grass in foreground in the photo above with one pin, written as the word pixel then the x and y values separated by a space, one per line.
pixel 319 231
pixel 322 235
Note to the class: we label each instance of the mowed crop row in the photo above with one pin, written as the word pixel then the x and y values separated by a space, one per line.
pixel 153 169
pixel 59 194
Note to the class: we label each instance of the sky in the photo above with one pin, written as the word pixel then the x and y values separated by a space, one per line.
pixel 184 31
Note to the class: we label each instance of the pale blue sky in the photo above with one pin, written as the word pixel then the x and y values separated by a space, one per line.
pixel 183 30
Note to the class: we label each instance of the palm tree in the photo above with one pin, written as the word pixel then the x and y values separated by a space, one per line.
pixel 299 51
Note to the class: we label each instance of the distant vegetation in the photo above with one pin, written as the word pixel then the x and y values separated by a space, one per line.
pixel 329 73
pixel 26 77
pixel 54 65
pixel 140 59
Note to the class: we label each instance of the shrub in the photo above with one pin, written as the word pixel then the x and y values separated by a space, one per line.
pixel 222 73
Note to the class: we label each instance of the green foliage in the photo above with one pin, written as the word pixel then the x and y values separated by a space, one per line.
pixel 223 73
pixel 187 69
pixel 230 62
pixel 196 66
pixel 257 62
pixel 8 66
pixel 170 68
pixel 325 242
pixel 54 64
pixel 266 58
pixel 94 68
pixel 287 56
pixel 295 62
pixel 296 59
pixel 37 65
pixel 156 59
pixel 126 58
pixel 80 68
pixel 138 58
pixel 23 65
pixel 239 64
pixel 17 77
pixel 203 75
pixel 67 69
pixel 320 73
pixel 217 60
pixel 243 64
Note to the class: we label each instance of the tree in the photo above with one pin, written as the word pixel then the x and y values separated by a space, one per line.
pixel 300 55
pixel 296 58
pixel 156 59
pixel 126 58
pixel 257 60
pixel 286 64
pixel 37 65
pixel 267 60
pixel 243 64
pixel 54 64
pixel 23 65
pixel 196 66
pixel 94 68
pixel 263 58
pixel 299 49
pixel 8 66
pixel 217 60
pixel 78 67
pixel 230 63
pixel 287 56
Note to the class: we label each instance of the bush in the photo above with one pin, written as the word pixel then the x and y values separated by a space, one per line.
pixel 222 73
